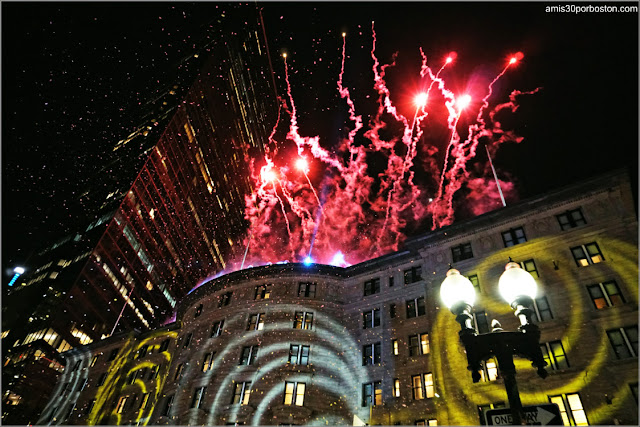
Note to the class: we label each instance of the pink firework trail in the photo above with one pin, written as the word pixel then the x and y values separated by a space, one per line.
pixel 356 213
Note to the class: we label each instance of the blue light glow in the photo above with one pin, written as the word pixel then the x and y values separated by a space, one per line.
pixel 308 261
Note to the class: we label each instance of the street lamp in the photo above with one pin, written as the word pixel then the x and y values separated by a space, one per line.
pixel 518 288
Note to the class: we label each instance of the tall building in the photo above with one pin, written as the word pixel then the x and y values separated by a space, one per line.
pixel 168 213
pixel 294 344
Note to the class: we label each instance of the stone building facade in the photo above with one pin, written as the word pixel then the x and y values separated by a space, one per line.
pixel 372 343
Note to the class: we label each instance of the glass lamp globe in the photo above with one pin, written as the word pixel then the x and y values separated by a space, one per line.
pixel 456 288
pixel 516 282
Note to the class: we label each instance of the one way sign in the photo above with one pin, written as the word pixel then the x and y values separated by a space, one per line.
pixel 535 415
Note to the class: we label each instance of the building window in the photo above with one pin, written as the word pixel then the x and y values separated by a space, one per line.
pixel 299 354
pixel 462 252
pixel 179 370
pixel 225 299
pixel 142 352
pixel 102 378
pixel 587 254
pixel 294 393
pixel 187 341
pixel 153 374
pixel 113 354
pixel 392 310
pixel 90 407
pixel 530 267
pixel 198 311
pixel 395 347
pixel 413 275
pixel 554 355
pixel 248 355
pixel 571 409
pixel 121 404
pixel 429 422
pixel 605 294
pixel 94 359
pixel 216 329
pixel 241 393
pixel 422 386
pixel 303 320
pixel 418 344
pixel 256 322
pixel 164 346
pixel 391 281
pixel 371 287
pixel 415 307
pixel 396 387
pixel 144 401
pixel 489 370
pixel 371 318
pixel 167 405
pixel 198 395
pixel 513 236
pixel 207 363
pixel 307 289
pixel 475 282
pixel 371 354
pixel 372 394
pixel 263 292
pixel 481 322
pixel 571 219
pixel 541 310
pixel 624 341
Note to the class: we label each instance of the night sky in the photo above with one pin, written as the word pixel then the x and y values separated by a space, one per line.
pixel 73 73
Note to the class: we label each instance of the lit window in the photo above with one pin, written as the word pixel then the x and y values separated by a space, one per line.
pixel 299 354
pixel 256 322
pixel 198 311
pixel 475 282
pixel 541 310
pixel 121 403
pixel 530 267
pixel 294 393
pixel 415 307
pixel 241 393
pixel 605 294
pixel 179 370
pixel 462 252
pixel 371 318
pixel 372 394
pixel 624 341
pixel 371 287
pixel 198 395
pixel 571 409
pixel 207 363
pixel 303 320
pixel 307 289
pixel 216 329
pixel 587 254
pixel 571 219
pixel 489 371
pixel 418 344
pixel 481 322
pixel 429 422
pixel 396 387
pixel 413 275
pixel 263 292
pixel 248 355
pixel 371 354
pixel 225 299
pixel 394 344
pixel 554 355
pixel 513 236
pixel 144 401
pixel 422 386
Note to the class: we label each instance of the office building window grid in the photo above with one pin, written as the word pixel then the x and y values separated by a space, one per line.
pixel 571 219
pixel 605 294
pixel 513 236
pixel 371 318
pixel 303 320
pixel 554 354
pixel 587 254
pixel 418 344
pixel 571 409
pixel 624 341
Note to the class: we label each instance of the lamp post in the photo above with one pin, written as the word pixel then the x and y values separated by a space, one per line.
pixel 518 288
